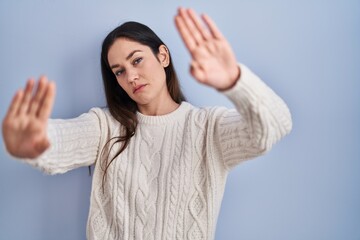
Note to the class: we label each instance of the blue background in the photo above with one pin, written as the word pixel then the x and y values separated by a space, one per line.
pixel 306 188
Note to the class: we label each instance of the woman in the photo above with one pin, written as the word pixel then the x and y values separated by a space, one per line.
pixel 160 163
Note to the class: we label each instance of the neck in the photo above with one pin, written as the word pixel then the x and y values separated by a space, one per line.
pixel 161 107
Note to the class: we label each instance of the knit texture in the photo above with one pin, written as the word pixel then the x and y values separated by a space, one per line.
pixel 169 181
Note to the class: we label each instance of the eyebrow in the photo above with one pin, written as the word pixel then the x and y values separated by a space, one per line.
pixel 127 58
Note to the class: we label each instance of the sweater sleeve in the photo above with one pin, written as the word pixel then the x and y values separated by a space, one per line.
pixel 73 143
pixel 260 120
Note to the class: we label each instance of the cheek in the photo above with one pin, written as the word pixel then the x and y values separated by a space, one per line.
pixel 119 82
pixel 123 86
pixel 153 66
pixel 157 72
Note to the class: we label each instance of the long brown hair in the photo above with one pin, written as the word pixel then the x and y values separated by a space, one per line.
pixel 120 105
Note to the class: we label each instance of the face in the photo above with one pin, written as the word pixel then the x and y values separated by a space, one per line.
pixel 138 71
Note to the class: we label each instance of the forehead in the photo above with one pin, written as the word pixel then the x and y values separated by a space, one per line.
pixel 122 47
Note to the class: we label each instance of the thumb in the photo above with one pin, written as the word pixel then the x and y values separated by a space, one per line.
pixel 197 72
pixel 41 146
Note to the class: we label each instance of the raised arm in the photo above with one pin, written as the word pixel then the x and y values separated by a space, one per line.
pixel 261 118
pixel 25 124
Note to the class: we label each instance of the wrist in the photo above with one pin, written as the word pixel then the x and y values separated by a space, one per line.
pixel 234 77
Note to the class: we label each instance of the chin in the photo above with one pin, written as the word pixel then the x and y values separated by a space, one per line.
pixel 142 102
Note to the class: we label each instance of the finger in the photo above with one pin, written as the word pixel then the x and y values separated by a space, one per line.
pixel 25 101
pixel 185 34
pixel 199 25
pixel 197 71
pixel 212 27
pixel 38 96
pixel 47 102
pixel 190 24
pixel 15 104
pixel 211 46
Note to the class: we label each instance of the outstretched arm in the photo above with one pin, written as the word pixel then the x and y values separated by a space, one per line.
pixel 25 124
pixel 213 61
pixel 262 118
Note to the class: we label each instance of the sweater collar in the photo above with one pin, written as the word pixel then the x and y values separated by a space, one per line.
pixel 175 115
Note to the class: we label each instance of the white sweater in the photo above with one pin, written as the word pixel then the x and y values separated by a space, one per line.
pixel 169 181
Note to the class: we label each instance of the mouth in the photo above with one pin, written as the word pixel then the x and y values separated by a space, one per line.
pixel 138 88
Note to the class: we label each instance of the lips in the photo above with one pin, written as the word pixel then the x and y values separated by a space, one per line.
pixel 138 88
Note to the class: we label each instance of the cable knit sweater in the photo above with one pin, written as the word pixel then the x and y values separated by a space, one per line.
pixel 169 181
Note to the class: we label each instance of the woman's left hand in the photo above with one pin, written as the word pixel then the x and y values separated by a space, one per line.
pixel 213 61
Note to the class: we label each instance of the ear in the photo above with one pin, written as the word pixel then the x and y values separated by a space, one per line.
pixel 164 56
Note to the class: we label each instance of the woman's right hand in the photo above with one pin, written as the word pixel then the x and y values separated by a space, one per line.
pixel 25 124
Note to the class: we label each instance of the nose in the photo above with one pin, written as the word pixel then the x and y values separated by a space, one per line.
pixel 132 75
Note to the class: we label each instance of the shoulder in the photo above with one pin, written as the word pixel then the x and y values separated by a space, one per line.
pixel 201 115
pixel 106 120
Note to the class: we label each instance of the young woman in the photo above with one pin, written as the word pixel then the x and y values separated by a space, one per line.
pixel 160 163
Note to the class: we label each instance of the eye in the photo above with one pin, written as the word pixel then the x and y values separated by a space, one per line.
pixel 119 72
pixel 137 60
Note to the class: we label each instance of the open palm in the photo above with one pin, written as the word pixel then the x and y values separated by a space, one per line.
pixel 213 61
pixel 24 126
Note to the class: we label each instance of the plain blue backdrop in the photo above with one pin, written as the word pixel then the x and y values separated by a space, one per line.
pixel 306 188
